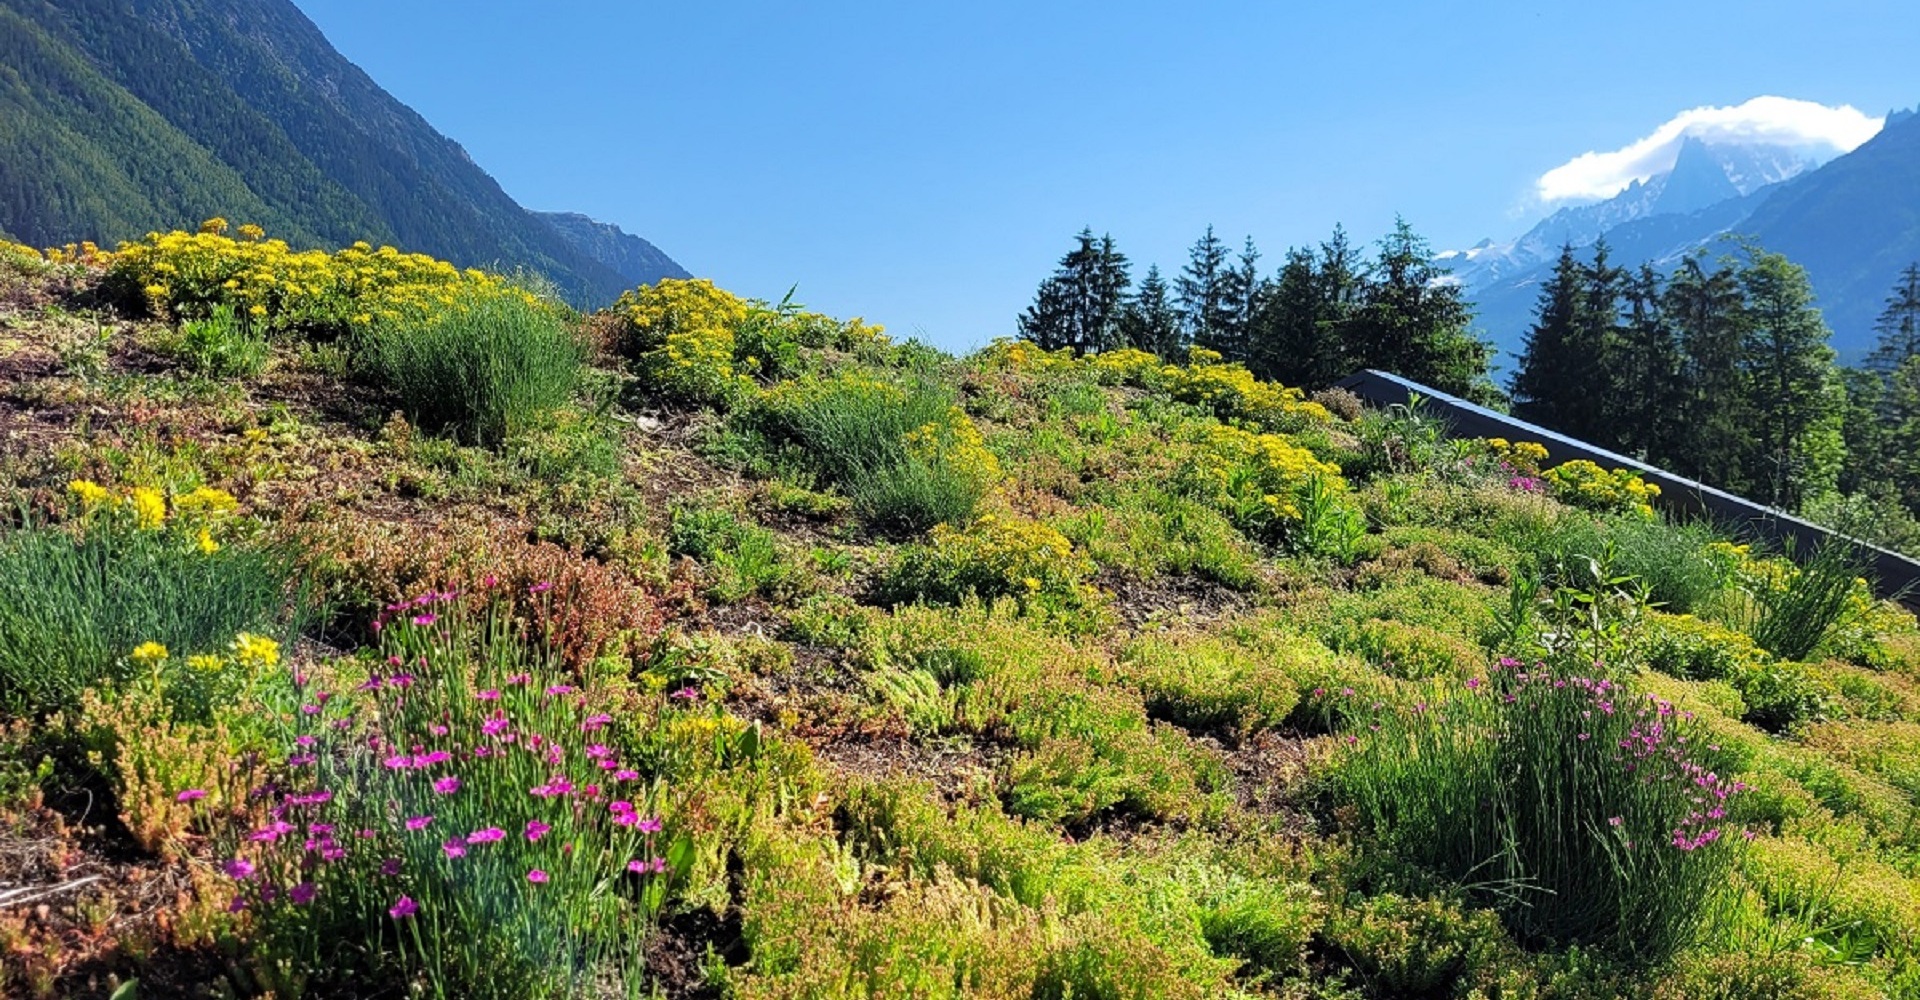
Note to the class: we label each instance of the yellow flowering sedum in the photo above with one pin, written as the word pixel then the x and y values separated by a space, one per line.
pixel 653 313
pixel 1524 457
pixel 194 514
pixel 147 654
pixel 187 274
pixel 1228 391
pixel 957 442
pixel 148 506
pixel 91 495
pixel 1584 484
pixel 1258 476
pixel 998 555
pixel 206 500
pixel 255 651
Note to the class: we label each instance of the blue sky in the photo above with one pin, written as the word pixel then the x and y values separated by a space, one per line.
pixel 924 165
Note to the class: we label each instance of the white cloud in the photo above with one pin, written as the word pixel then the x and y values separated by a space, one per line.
pixel 1780 121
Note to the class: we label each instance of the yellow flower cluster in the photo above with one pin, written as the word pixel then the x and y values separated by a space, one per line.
pixel 998 556
pixel 83 253
pixel 279 288
pixel 653 313
pixel 694 366
pixel 1261 481
pixel 255 652
pixel 808 393
pixel 1232 393
pixel 1584 484
pixel 20 258
pixel 1024 357
pixel 1228 391
pixel 197 511
pixel 681 336
pixel 1127 366
pixel 1694 649
pixel 1524 457
pixel 957 442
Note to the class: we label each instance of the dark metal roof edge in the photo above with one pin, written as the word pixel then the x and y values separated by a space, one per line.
pixel 1370 383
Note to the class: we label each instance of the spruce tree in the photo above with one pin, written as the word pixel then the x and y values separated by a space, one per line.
pixel 1865 429
pixel 1201 293
pixel 1080 306
pixel 1151 323
pixel 1646 376
pixel 1900 424
pixel 1415 325
pixel 1240 292
pixel 1705 306
pixel 1898 326
pixel 1286 329
pixel 1792 383
pixel 1548 378
pixel 1340 287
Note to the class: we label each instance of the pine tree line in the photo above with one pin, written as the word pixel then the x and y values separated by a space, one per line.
pixel 1721 371
pixel 1326 313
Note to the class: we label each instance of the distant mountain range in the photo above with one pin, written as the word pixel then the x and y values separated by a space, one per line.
pixel 1853 221
pixel 119 117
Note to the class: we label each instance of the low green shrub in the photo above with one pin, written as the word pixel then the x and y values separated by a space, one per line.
pixel 1776 694
pixel 908 457
pixel 744 557
pixel 76 600
pixel 1151 532
pixel 1115 764
pixel 1408 652
pixel 487 368
pixel 1682 574
pixel 1579 810
pixel 1206 685
pixel 1405 947
pixel 1270 925
pixel 222 345
pixel 996 556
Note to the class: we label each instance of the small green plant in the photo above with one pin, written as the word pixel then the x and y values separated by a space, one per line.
pixel 1794 610
pixel 1681 572
pixel 908 457
pixel 76 600
pixel 1578 809
pixel 489 367
pixel 222 345
pixel 996 556
pixel 1401 438
pixel 744 556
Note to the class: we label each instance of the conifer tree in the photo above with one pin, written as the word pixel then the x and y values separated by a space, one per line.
pixel 1900 424
pixel 1081 305
pixel 1708 315
pixel 1202 293
pixel 1898 326
pixel 1646 376
pixel 1151 323
pixel 1792 384
pixel 1865 429
pixel 1241 291
pixel 1286 332
pixel 1416 326
pixel 1340 287
pixel 1551 368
